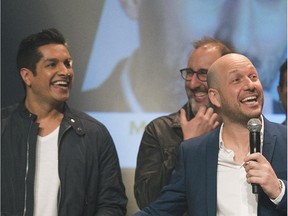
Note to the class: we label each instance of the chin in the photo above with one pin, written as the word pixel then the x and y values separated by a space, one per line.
pixel 62 100
pixel 255 115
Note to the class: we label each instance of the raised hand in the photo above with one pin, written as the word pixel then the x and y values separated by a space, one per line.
pixel 204 121
pixel 259 171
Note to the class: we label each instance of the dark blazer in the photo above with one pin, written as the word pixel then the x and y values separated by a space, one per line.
pixel 193 184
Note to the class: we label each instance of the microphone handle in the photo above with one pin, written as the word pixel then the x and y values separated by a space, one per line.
pixel 254 142
pixel 255 147
pixel 255 188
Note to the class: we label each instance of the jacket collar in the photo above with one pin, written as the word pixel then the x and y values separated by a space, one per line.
pixel 25 113
pixel 70 118
pixel 269 139
pixel 176 116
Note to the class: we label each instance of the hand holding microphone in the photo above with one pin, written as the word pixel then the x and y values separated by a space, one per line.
pixel 254 126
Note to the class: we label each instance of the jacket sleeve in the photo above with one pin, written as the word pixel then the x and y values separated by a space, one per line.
pixel 154 165
pixel 282 206
pixel 172 201
pixel 112 199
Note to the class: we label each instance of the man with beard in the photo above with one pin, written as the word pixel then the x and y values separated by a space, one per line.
pixel 161 139
pixel 214 171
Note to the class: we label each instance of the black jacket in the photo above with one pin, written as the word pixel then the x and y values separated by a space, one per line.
pixel 89 172
pixel 157 156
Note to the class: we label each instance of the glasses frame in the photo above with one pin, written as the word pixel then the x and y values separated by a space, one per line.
pixel 198 73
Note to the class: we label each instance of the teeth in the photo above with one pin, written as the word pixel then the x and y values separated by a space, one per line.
pixel 249 99
pixel 61 83
pixel 200 94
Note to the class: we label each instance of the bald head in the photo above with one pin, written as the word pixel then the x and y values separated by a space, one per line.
pixel 234 88
pixel 221 67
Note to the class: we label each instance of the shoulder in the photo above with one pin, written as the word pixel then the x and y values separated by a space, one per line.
pixel 7 111
pixel 275 129
pixel 202 142
pixel 89 124
pixel 169 120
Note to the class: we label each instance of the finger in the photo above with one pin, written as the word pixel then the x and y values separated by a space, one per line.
pixel 250 165
pixel 254 178
pixel 201 111
pixel 183 118
pixel 255 157
pixel 213 120
pixel 216 124
pixel 246 166
pixel 214 117
pixel 209 111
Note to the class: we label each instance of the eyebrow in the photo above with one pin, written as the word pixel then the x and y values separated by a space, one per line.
pixel 232 72
pixel 56 59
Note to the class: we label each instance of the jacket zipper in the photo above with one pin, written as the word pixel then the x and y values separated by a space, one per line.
pixel 27 169
pixel 59 140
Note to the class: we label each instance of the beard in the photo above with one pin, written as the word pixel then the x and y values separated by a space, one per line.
pixel 235 114
pixel 195 106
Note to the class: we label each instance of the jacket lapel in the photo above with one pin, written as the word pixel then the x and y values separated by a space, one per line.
pixel 211 172
pixel 270 141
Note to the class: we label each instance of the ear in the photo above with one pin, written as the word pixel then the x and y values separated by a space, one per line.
pixel 26 75
pixel 214 97
pixel 131 8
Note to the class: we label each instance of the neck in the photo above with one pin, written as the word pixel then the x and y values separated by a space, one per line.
pixel 43 110
pixel 236 138
pixel 49 117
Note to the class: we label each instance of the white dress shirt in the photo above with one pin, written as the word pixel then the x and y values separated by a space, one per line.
pixel 234 194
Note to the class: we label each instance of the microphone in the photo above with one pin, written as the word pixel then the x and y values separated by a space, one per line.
pixel 254 126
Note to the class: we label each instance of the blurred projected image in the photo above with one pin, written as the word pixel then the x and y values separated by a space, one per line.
pixel 140 46
pixel 133 73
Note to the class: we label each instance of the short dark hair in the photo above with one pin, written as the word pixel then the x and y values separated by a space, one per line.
pixel 28 54
pixel 283 70
pixel 225 48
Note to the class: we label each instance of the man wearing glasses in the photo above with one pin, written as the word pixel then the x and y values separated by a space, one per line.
pixel 158 150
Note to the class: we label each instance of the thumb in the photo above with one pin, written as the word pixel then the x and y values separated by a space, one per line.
pixel 183 119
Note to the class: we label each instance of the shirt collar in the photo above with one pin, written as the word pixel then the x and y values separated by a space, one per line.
pixel 221 143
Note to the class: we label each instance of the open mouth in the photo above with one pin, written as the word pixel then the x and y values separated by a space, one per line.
pixel 61 83
pixel 251 99
pixel 200 95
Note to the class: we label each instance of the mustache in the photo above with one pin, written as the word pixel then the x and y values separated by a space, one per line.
pixel 199 89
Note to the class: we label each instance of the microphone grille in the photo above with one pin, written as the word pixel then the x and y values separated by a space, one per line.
pixel 254 125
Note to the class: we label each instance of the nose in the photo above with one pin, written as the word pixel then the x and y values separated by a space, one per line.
pixel 250 84
pixel 235 28
pixel 193 82
pixel 64 70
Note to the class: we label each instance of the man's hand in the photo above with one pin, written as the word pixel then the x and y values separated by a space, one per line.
pixel 259 171
pixel 204 121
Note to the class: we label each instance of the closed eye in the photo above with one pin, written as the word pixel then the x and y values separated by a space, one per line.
pixel 53 64
pixel 235 80
pixel 253 77
pixel 202 71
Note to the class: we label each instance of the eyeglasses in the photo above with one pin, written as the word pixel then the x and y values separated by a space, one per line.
pixel 187 74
